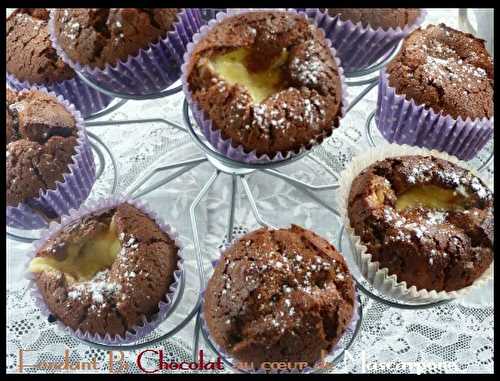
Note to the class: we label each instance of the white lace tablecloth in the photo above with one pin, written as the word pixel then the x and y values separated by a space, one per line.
pixel 456 337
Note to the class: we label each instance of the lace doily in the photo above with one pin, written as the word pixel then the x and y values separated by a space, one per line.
pixel 455 337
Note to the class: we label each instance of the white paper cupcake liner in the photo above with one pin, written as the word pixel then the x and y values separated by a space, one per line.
pixel 71 192
pixel 210 13
pixel 214 136
pixel 379 277
pixel 403 121
pixel 148 71
pixel 357 46
pixel 146 326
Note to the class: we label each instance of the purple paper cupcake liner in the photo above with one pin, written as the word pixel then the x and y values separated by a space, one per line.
pixel 336 350
pixel 86 100
pixel 358 47
pixel 214 136
pixel 152 69
pixel 146 326
pixel 71 192
pixel 402 121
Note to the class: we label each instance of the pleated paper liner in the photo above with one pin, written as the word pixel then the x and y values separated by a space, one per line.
pixel 358 46
pixel 214 136
pixel 151 69
pixel 403 121
pixel 67 194
pixel 379 277
pixel 147 325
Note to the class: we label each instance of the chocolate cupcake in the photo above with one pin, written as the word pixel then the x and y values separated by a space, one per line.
pixel 28 36
pixel 49 167
pixel 384 18
pixel 421 224
pixel 362 36
pixel 438 93
pixel 108 274
pixel 279 296
pixel 263 85
pixel 131 50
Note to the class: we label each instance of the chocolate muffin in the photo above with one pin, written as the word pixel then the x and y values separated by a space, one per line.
pixel 384 18
pixel 100 36
pixel 103 273
pixel 267 80
pixel 279 295
pixel 425 219
pixel 445 69
pixel 41 136
pixel 29 52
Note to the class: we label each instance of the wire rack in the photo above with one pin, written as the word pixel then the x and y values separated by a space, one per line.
pixel 239 177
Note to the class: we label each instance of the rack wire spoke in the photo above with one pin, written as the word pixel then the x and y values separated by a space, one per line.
pixel 368 128
pixel 192 163
pixel 111 157
pixel 372 68
pixel 194 227
pixel 253 204
pixel 324 166
pixel 196 336
pixel 308 192
pixel 300 183
pixel 101 123
pixel 100 157
pixel 108 110
pixel 230 224
pixel 138 97
pixel 362 94
pixel 166 180
pixel 487 162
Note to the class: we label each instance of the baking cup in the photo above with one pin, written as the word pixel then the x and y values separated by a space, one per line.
pixel 150 70
pixel 86 100
pixel 209 13
pixel 403 121
pixel 214 136
pixel 357 46
pixel 336 350
pixel 70 193
pixel 379 277
pixel 146 326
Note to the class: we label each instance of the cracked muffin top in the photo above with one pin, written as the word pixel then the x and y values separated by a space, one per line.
pixel 103 273
pixel 100 36
pixel 29 52
pixel 267 80
pixel 41 136
pixel 384 18
pixel 447 70
pixel 279 295
pixel 427 220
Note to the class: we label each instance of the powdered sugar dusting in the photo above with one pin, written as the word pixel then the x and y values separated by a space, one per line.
pixel 99 288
